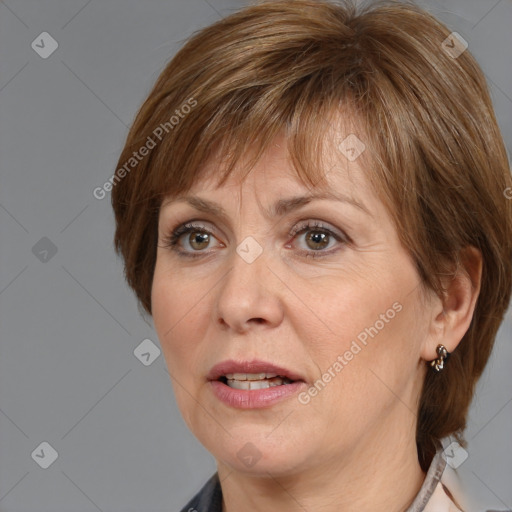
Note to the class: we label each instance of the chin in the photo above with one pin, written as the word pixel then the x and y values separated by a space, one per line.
pixel 260 456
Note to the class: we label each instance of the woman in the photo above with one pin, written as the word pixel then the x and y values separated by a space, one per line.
pixel 310 205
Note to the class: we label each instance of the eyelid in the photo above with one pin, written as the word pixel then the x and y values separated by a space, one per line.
pixel 182 228
pixel 313 223
pixel 298 227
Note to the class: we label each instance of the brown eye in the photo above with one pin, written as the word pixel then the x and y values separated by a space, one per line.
pixel 199 240
pixel 317 239
pixel 190 240
pixel 314 240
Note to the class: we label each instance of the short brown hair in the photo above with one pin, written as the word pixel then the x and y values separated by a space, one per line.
pixel 437 157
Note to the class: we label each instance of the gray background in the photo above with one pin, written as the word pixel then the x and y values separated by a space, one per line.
pixel 69 325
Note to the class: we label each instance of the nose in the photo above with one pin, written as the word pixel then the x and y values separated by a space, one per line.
pixel 249 295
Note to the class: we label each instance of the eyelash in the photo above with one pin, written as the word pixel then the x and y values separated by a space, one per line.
pixel 171 241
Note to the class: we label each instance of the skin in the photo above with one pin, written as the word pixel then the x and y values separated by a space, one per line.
pixel 302 313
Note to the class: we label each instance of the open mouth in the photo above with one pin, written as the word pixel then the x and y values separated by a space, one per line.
pixel 250 381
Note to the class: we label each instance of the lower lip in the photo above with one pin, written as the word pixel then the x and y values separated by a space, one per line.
pixel 254 398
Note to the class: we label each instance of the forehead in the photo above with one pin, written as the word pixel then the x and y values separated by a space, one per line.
pixel 334 159
pixel 278 184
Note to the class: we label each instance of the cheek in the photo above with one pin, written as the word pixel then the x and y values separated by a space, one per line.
pixel 349 309
pixel 163 305
pixel 380 359
pixel 176 313
pixel 174 306
pixel 370 379
pixel 372 325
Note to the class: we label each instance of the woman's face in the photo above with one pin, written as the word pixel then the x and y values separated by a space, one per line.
pixel 244 285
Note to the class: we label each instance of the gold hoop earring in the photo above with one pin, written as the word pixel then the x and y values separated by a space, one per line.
pixel 442 356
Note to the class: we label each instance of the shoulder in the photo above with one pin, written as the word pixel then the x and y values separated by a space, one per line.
pixel 208 499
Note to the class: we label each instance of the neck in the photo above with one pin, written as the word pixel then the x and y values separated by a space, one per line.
pixel 378 474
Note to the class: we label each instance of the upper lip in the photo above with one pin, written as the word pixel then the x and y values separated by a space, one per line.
pixel 254 366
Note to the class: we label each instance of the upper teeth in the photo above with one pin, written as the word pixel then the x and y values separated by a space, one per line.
pixel 250 376
pixel 255 381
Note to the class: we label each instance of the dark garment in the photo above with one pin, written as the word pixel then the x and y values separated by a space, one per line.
pixel 209 498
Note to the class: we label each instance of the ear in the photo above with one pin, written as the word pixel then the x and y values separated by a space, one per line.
pixel 451 316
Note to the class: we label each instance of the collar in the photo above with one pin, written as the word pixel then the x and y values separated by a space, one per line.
pixel 433 495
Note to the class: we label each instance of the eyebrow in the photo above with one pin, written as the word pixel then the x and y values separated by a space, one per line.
pixel 280 207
